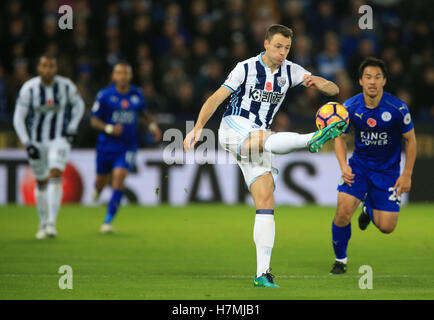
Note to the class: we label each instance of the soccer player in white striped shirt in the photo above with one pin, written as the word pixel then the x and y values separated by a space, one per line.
pixel 47 114
pixel 257 87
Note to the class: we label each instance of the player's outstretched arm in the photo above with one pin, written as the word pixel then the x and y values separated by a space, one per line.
pixel 341 155
pixel 325 86
pixel 206 112
pixel 403 184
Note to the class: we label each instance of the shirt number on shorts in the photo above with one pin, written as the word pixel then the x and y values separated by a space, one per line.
pixel 130 157
pixel 393 196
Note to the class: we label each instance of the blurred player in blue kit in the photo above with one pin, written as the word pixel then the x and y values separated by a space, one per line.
pixel 116 113
pixel 380 121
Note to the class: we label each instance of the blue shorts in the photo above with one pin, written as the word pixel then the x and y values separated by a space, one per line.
pixel 106 161
pixel 375 188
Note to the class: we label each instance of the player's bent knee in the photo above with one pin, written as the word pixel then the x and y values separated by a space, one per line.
pixel 387 229
pixel 342 220
pixel 385 221
pixel 344 211
pixel 343 216
pixel 264 200
pixel 119 175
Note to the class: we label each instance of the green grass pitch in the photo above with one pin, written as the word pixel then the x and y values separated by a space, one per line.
pixel 207 252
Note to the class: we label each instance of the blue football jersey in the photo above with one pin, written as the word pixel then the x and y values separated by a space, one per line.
pixel 378 131
pixel 114 108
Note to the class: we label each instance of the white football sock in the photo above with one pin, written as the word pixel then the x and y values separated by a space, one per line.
pixel 54 191
pixel 263 235
pixel 41 204
pixel 344 260
pixel 286 142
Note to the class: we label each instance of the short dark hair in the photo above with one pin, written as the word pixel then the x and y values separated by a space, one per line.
pixel 123 63
pixel 374 62
pixel 47 56
pixel 278 28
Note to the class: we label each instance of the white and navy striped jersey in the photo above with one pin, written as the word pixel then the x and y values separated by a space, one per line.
pixel 257 93
pixel 44 113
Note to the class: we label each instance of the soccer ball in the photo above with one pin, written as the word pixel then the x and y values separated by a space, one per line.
pixel 330 113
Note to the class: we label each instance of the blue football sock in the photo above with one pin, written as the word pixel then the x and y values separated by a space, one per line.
pixel 113 205
pixel 340 237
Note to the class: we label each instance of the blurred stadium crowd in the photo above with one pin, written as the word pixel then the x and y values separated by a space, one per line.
pixel 181 51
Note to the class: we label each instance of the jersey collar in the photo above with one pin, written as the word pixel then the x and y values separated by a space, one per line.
pixel 380 103
pixel 264 65
pixel 50 85
pixel 121 94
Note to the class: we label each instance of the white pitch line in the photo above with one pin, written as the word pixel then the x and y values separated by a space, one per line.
pixel 299 276
pixel 222 276
pixel 26 275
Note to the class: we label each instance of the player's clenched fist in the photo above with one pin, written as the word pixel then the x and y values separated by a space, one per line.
pixel 308 81
pixel 348 175
pixel 191 139
pixel 324 85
